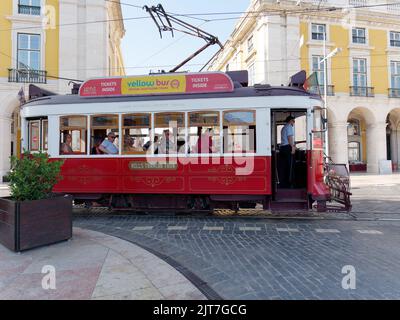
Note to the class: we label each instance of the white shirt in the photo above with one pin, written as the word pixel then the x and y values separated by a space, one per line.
pixel 109 146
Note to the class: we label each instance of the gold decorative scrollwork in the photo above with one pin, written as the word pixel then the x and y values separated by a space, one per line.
pixel 227 181
pixel 222 169
pixel 154 181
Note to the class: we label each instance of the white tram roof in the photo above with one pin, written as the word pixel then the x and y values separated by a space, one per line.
pixel 241 92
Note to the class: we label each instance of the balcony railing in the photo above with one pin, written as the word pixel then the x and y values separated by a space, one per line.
pixel 330 90
pixel 394 92
pixel 32 10
pixel 362 91
pixel 27 76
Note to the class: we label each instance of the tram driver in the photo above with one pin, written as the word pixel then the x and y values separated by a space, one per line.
pixel 108 146
pixel 286 152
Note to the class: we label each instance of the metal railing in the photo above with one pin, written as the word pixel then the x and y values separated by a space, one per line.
pixel 330 90
pixel 394 92
pixel 362 91
pixel 32 10
pixel 27 76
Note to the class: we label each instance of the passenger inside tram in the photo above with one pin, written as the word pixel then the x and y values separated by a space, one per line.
pixel 96 146
pixel 108 146
pixel 167 144
pixel 147 145
pixel 66 146
pixel 204 143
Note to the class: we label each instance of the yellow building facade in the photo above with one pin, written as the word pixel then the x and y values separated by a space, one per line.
pixel 48 43
pixel 362 74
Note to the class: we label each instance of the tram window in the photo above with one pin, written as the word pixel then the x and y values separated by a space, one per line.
pixel 101 128
pixel 136 133
pixel 73 135
pixel 169 133
pixel 204 132
pixel 300 129
pixel 34 135
pixel 239 131
pixel 45 134
pixel 318 136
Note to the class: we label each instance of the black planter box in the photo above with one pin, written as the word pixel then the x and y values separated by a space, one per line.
pixel 30 224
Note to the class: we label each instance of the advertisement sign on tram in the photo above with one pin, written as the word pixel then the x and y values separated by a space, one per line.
pixel 158 84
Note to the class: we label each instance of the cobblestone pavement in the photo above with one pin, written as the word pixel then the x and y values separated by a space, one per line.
pixel 375 195
pixel 255 258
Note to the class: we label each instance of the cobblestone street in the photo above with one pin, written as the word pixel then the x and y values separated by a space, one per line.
pixel 280 258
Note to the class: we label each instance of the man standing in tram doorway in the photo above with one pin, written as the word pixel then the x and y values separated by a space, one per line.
pixel 287 151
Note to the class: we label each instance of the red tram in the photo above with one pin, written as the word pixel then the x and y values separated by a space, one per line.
pixel 160 123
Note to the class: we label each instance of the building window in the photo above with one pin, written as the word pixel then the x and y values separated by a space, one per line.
pixel 239 131
pixel 73 135
pixel 394 39
pixel 318 31
pixel 28 55
pixel 358 35
pixel 136 133
pixel 360 74
pixel 250 44
pixel 353 128
pixel 31 7
pixel 395 74
pixel 251 75
pixel 354 151
pixel 319 68
pixel 394 90
pixel 204 132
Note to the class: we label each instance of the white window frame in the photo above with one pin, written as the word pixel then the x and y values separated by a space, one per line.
pixel 29 49
pixel 365 36
pixel 396 37
pixel 325 30
pixel 321 68
pixel 250 44
pixel 396 63
pixel 366 72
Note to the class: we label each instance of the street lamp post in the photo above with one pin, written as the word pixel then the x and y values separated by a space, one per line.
pixel 325 60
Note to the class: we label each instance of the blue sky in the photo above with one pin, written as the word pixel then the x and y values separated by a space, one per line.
pixel 144 50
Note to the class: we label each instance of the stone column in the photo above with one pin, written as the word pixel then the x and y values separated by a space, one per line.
pixel 5 145
pixel 337 132
pixel 376 145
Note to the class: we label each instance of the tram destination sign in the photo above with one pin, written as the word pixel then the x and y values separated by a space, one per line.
pixel 159 84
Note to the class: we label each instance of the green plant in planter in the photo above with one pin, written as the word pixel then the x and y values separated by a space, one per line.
pixel 33 176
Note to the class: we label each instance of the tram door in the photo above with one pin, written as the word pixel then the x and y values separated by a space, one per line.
pixel 289 172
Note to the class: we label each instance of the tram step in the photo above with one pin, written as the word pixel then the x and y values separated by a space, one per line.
pixel 291 194
pixel 289 204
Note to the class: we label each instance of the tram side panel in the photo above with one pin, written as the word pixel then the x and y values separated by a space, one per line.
pixel 212 175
